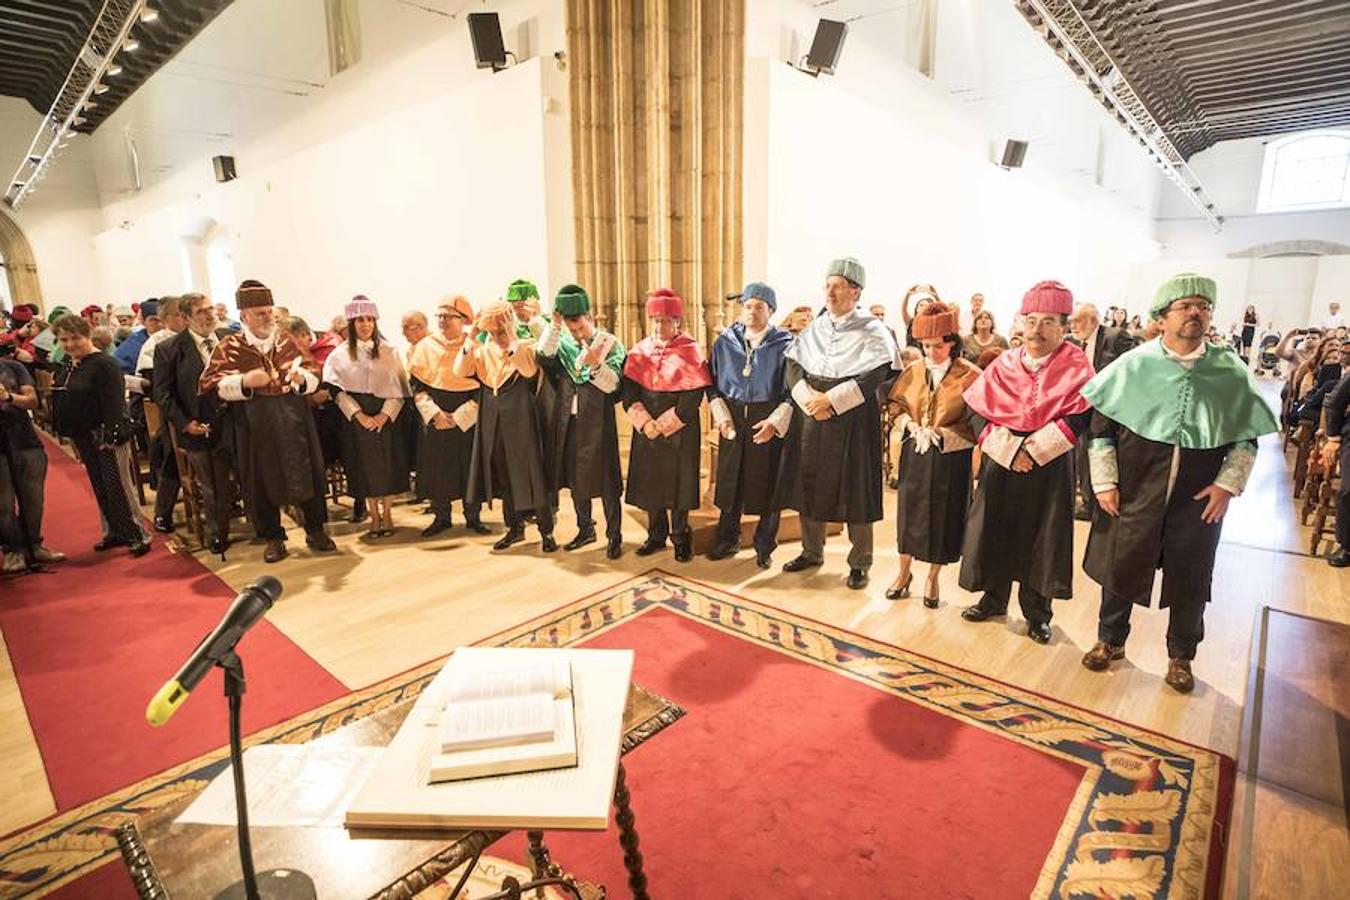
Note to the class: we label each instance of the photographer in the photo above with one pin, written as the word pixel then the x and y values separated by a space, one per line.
pixel 23 468
pixel 92 412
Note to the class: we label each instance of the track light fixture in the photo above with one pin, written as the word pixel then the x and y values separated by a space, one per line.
pixel 131 45
pixel 149 14
pixel 114 70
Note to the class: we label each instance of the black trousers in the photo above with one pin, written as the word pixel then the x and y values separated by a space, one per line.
pixel 1343 499
pixel 109 471
pixel 766 531
pixel 514 518
pixel 441 507
pixel 167 483
pixel 1035 606
pixel 23 477
pixel 668 523
pixel 612 504
pixel 211 468
pixel 1185 623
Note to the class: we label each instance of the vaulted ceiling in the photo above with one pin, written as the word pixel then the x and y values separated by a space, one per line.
pixel 40 40
pixel 1215 70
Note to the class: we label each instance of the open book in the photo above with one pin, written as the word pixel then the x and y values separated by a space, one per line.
pixel 502 718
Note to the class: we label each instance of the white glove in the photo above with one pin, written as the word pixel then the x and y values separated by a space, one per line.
pixel 926 439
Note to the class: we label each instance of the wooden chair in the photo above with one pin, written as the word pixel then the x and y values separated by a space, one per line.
pixel 194 512
pixel 1324 510
pixel 1304 440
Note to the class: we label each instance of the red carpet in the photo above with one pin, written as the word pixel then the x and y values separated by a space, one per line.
pixel 788 780
pixel 95 637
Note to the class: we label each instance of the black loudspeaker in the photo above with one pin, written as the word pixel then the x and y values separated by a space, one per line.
pixel 1013 154
pixel 224 168
pixel 826 46
pixel 488 50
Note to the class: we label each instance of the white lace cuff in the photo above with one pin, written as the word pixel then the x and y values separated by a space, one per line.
pixel 803 394
pixel 392 407
pixel 638 416
pixel 781 418
pixel 548 341
pixel 605 378
pixel 1237 468
pixel 1102 465
pixel 1001 445
pixel 1048 443
pixel 720 413
pixel 231 388
pixel 348 405
pixel 426 406
pixel 845 396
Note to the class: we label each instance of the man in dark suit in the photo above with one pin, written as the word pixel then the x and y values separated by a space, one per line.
pixel 177 370
pixel 1103 345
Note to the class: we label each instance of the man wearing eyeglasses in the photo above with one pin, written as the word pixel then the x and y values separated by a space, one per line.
pixel 1171 442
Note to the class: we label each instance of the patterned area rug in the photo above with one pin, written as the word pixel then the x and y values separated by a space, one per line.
pixel 1144 822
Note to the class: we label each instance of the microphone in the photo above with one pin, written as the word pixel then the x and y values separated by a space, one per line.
pixel 250 606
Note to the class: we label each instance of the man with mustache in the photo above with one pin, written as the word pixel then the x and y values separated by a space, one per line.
pixel 1171 442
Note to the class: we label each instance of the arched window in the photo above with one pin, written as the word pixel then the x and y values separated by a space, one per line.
pixel 1306 171
pixel 220 271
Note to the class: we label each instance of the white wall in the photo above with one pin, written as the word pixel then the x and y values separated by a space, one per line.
pixel 409 176
pixel 886 165
pixel 60 217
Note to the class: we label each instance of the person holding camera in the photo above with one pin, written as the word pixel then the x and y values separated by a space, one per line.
pixel 92 412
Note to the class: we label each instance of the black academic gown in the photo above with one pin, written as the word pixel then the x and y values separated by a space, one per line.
pixel 1020 526
pixel 445 455
pixel 276 448
pixel 592 469
pixel 1153 528
pixel 508 435
pixel 831 471
pixel 376 461
pixel 663 472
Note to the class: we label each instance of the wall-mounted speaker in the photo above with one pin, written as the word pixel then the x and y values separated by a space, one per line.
pixel 1013 154
pixel 224 168
pixel 826 46
pixel 489 52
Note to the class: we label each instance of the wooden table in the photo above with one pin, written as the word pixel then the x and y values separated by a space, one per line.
pixel 168 860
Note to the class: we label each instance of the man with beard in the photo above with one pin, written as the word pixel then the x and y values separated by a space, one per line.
pixel 1028 414
pixel 262 376
pixel 1172 441
pixel 749 403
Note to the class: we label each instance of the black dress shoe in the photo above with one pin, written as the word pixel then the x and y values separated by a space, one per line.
pixel 724 551
pixel 931 602
pixel 479 527
pixel 763 560
pixel 139 549
pixel 857 579
pixel 584 536
pixel 108 543
pixel 218 545
pixel 1340 559
pixel 649 546
pixel 901 592
pixel 684 551
pixel 978 613
pixel 512 536
pixel 801 564
pixel 320 542
pixel 548 544
pixel 614 550
pixel 275 551
pixel 438 524
pixel 163 525
pixel 1040 632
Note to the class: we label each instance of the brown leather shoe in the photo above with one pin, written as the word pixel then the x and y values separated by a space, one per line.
pixel 275 551
pixel 1099 658
pixel 1179 676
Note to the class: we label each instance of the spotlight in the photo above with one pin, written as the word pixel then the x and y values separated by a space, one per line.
pixel 78 120
pixel 90 104
pixel 34 160
pixel 100 88
pixel 149 14
pixel 131 45
pixel 114 70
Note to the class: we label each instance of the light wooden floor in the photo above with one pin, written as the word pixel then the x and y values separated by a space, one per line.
pixel 373 611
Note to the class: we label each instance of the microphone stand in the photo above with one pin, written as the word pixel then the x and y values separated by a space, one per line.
pixel 276 884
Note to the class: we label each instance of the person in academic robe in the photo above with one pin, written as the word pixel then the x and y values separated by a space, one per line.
pixel 371 386
pixel 1172 441
pixel 195 423
pixel 831 463
pixel 585 365
pixel 1103 344
pixel 508 450
pixel 447 405
pixel 664 378
pixel 937 440
pixel 750 408
pixel 262 377
pixel 1029 412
